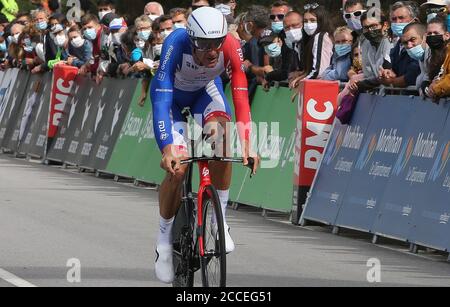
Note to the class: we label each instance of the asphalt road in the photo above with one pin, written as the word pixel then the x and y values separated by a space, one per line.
pixel 49 215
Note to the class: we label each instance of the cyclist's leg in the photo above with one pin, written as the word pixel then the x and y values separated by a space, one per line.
pixel 216 114
pixel 169 202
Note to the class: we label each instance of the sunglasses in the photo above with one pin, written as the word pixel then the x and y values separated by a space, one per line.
pixel 207 44
pixel 311 6
pixel 356 14
pixel 280 17
pixel 437 10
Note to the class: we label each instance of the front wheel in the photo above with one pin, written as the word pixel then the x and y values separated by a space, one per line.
pixel 213 262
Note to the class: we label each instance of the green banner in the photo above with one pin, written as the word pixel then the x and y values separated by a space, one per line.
pixel 271 188
pixel 136 153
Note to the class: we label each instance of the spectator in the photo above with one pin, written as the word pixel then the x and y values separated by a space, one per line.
pixel 224 7
pixel 342 58
pixel 277 70
pixel 440 87
pixel 80 49
pixel 277 13
pixel 24 19
pixel 293 29
pixel 28 41
pixel 62 43
pixel 165 26
pixel 153 10
pixel 93 32
pixel 317 43
pixel 375 49
pixel 356 68
pixel 436 8
pixel 353 10
pixel 179 18
pixel 104 8
pixel 143 26
pixel 117 28
pixel 405 69
pixel 255 23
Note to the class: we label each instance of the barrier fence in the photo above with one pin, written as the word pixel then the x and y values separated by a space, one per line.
pixel 387 173
pixel 103 128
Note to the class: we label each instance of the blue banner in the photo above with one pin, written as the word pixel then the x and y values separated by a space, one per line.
pixel 375 163
pixel 338 163
pixel 407 191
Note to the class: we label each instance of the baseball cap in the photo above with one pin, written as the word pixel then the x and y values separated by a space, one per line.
pixel 437 3
pixel 117 24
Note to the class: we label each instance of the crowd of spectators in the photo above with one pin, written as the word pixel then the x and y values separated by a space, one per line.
pixel 364 48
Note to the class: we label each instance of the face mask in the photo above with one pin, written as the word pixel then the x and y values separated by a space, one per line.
pixel 3 47
pixel 77 42
pixel 273 50
pixel 277 26
pixel 435 42
pixel 60 40
pixel 311 28
pixel 397 28
pixel 144 35
pixel 90 34
pixel 2 33
pixel 103 14
pixel 354 24
pixel 416 53
pixel 179 25
pixel 117 38
pixel 166 33
pixel 28 49
pixel 224 9
pixel 27 42
pixel 15 38
pixel 431 16
pixel 343 49
pixel 43 25
pixel 157 49
pixel 140 44
pixel 293 36
pixel 375 36
pixel 153 17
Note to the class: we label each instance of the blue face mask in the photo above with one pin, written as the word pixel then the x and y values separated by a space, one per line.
pixel 277 26
pixel 397 28
pixel 342 49
pixel 90 34
pixel 43 25
pixel 144 35
pixel 273 50
pixel 3 47
pixel 416 53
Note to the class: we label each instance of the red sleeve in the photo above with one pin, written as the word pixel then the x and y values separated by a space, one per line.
pixel 234 64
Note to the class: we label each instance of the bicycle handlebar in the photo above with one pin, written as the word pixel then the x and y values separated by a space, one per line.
pixel 250 165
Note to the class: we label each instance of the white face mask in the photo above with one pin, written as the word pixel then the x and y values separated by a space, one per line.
pixel 293 36
pixel 103 14
pixel 166 33
pixel 77 42
pixel 15 38
pixel 153 17
pixel 157 49
pixel 60 40
pixel 179 25
pixel 140 43
pixel 311 28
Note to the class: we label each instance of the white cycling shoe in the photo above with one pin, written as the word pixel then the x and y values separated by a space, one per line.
pixel 229 243
pixel 164 264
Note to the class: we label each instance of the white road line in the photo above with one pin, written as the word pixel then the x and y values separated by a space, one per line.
pixel 14 280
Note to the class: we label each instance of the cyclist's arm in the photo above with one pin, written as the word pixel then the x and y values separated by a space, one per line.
pixel 162 90
pixel 239 85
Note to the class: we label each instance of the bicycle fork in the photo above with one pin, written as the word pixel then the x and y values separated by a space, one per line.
pixel 205 181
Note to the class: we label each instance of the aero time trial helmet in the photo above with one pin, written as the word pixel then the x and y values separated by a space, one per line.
pixel 207 28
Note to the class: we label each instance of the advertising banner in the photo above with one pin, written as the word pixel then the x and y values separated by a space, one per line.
pixel 63 80
pixel 338 164
pixel 375 163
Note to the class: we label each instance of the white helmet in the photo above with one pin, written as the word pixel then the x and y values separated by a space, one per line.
pixel 207 23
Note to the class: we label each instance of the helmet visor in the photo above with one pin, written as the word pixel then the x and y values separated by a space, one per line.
pixel 207 44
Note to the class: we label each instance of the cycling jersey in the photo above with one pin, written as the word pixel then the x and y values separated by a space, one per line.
pixel 180 82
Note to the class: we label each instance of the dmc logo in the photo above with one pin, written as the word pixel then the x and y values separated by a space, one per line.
pixel 441 162
pixel 367 152
pixel 404 157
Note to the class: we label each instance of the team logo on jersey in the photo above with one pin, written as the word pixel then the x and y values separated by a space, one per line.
pixel 164 136
pixel 161 76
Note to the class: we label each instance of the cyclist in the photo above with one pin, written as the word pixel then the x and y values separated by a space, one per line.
pixel 192 61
